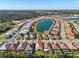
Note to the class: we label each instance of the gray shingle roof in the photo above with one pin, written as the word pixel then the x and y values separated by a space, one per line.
pixel 28 47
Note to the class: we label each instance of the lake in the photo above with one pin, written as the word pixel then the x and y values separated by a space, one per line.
pixel 44 25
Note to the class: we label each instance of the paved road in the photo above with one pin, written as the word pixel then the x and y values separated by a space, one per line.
pixel 51 27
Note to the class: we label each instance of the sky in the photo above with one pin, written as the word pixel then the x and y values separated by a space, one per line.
pixel 38 4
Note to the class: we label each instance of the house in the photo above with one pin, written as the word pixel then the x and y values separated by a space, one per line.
pixel 47 48
pixel 21 46
pixel 69 33
pixel 8 44
pixel 56 37
pixel 63 47
pixel 39 45
pixel 76 44
pixel 29 49
pixel 14 45
pixel 71 46
pixel 54 32
pixel 5 46
pixel 55 47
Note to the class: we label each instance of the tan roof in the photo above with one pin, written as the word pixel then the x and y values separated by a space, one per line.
pixel 54 46
pixel 46 45
pixel 54 32
pixel 63 45
pixel 70 45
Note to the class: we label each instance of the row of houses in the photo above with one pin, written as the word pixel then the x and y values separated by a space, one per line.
pixel 68 29
pixel 33 36
pixel 57 47
pixel 14 30
pixel 53 47
pixel 27 26
pixel 22 27
pixel 55 30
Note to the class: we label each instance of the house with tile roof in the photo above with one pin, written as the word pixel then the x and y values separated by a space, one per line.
pixel 47 48
pixel 64 48
pixel 55 47
pixel 39 45
pixel 71 46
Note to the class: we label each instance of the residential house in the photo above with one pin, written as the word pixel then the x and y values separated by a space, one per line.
pixel 14 45
pixel 21 46
pixel 29 49
pixel 39 45
pixel 47 48
pixel 55 47
pixel 71 46
pixel 63 47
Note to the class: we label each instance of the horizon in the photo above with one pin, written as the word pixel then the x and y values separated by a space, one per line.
pixel 39 4
pixel 39 10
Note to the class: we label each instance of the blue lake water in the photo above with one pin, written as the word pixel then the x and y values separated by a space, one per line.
pixel 44 25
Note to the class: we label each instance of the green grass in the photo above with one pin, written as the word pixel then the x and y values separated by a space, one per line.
pixel 12 54
pixel 3 38
pixel 38 54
